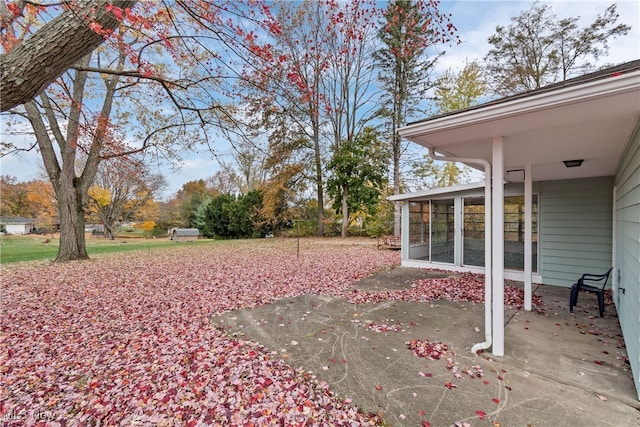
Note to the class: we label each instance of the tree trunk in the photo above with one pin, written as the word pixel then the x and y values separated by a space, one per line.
pixel 34 64
pixel 319 183
pixel 70 202
pixel 345 211
pixel 397 188
pixel 108 232
pixel 71 190
pixel 72 241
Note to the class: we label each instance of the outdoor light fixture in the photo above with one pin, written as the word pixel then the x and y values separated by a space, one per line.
pixel 573 163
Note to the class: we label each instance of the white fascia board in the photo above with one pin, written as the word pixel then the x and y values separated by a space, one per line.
pixel 436 191
pixel 546 100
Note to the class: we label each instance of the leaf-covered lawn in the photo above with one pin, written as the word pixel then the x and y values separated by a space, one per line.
pixel 126 338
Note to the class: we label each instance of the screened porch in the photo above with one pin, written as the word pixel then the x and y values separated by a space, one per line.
pixel 449 229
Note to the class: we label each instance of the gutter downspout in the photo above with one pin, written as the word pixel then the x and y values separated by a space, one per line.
pixel 488 260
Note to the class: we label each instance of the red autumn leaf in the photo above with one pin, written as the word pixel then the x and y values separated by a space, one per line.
pixel 116 11
pixel 496 400
pixel 14 9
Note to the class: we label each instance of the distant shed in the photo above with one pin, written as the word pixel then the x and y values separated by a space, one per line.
pixel 18 225
pixel 184 234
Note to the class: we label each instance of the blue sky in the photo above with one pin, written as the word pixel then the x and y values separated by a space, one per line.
pixel 475 20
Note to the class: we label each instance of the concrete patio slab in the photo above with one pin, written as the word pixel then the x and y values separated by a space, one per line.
pixel 559 369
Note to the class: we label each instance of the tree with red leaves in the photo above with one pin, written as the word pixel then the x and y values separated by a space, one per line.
pixel 290 91
pixel 321 76
pixel 157 85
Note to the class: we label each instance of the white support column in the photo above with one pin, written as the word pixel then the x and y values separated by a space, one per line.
pixel 404 231
pixel 528 235
pixel 498 247
pixel 458 225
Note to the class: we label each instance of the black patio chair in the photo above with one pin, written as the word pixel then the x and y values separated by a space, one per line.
pixel 594 283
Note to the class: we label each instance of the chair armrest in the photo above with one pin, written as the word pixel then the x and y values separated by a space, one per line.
pixel 594 276
pixel 592 279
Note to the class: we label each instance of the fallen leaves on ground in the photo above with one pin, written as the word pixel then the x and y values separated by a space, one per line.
pixel 463 287
pixel 126 338
pixel 425 348
pixel 387 326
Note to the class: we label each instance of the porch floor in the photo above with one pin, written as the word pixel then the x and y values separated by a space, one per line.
pixel 559 369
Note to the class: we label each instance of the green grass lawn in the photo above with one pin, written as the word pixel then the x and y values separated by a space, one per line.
pixel 33 247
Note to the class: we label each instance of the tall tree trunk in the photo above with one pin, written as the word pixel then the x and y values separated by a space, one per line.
pixel 71 190
pixel 319 181
pixel 70 203
pixel 396 141
pixel 345 211
pixel 72 241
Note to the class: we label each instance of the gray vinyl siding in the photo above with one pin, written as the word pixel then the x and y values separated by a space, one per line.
pixel 627 254
pixel 575 229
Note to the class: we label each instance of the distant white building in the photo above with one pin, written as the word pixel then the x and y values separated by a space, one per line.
pixel 184 234
pixel 18 225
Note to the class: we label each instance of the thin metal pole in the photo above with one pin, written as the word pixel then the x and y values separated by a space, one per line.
pixel 298 236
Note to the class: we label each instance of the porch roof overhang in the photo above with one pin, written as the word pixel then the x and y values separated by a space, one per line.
pixel 435 192
pixel 590 118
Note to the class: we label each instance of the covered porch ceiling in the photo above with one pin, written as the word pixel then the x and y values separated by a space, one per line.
pixel 590 119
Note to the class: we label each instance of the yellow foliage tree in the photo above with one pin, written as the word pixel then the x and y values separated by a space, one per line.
pixel 101 196
pixel 147 227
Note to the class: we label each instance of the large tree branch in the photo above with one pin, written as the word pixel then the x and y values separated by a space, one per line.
pixel 91 165
pixel 167 85
pixel 40 59
pixel 44 142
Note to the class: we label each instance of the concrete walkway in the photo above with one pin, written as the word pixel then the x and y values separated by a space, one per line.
pixel 558 370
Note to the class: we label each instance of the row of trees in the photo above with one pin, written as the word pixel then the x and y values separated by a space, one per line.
pixel 121 193
pixel 310 94
pixel 117 199
pixel 31 199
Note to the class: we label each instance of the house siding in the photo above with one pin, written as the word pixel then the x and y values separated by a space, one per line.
pixel 627 252
pixel 575 229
